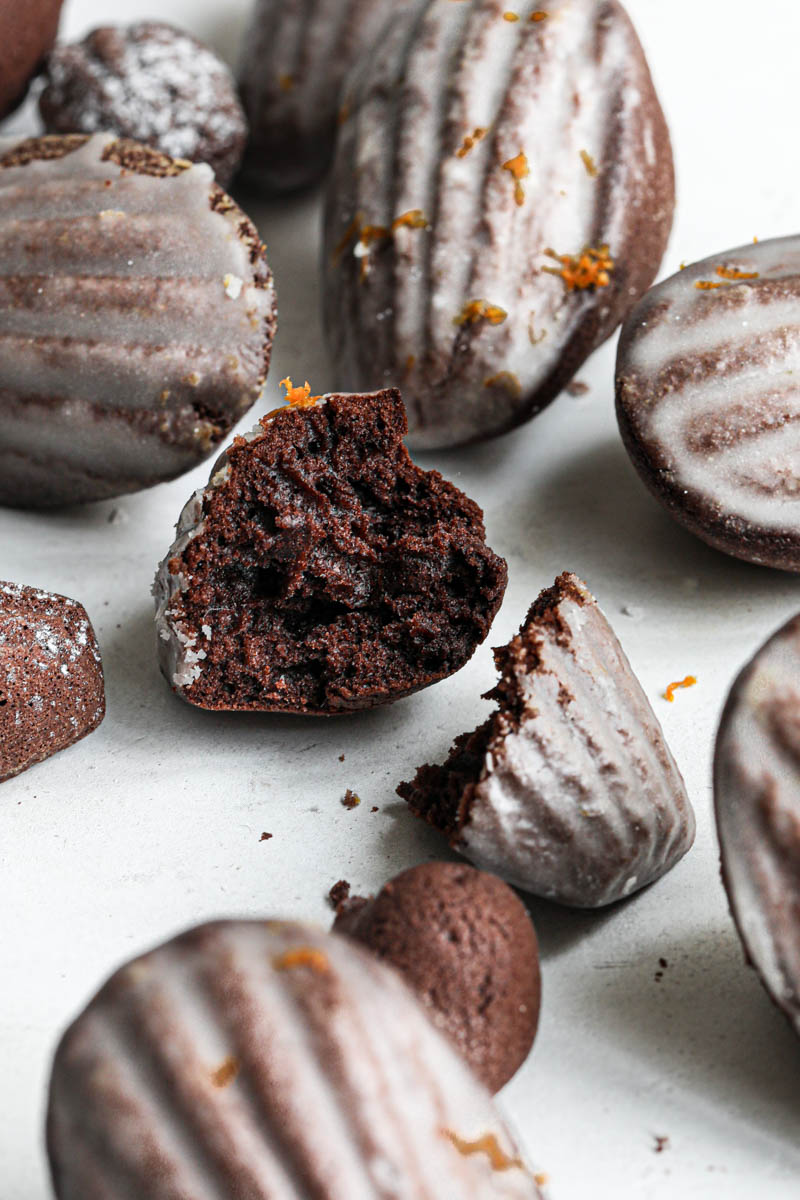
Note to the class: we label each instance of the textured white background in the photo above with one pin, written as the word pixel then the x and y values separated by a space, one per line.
pixel 154 822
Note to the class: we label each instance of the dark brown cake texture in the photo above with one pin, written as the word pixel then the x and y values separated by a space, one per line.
pixel 321 571
pixel 708 401
pixel 153 83
pixel 51 676
pixel 568 790
pixel 136 318
pixel 268 1060
pixel 502 193
pixel 466 945
pixel 295 55
pixel 757 805
pixel 27 31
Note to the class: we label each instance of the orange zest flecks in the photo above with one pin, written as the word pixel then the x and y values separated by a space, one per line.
pixel 731 273
pixel 346 238
pixel 519 170
pixel 303 956
pixel 480 310
pixel 470 141
pixel 533 337
pixel 299 397
pixel 510 16
pixel 539 15
pixel 671 688
pixel 591 268
pixel 368 235
pixel 707 285
pixel 413 219
pixel 411 362
pixel 488 1145
pixel 286 82
pixel 589 163
pixel 507 380
pixel 225 1073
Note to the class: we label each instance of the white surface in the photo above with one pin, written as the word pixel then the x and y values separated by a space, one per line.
pixel 154 821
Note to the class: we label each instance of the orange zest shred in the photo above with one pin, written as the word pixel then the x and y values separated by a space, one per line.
pixel 367 236
pixel 346 238
pixel 299 397
pixel 688 682
pixel 519 170
pixel 591 268
pixel 488 1145
pixel 286 82
pixel 225 1073
pixel 480 310
pixel 303 956
pixel 706 285
pixel 470 141
pixel 413 219
pixel 539 15
pixel 732 273
pixel 507 380
pixel 510 16
pixel 589 163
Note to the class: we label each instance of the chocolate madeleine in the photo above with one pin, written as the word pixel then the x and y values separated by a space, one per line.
pixel 321 571
pixel 708 403
pixel 270 1061
pixel 757 805
pixel 294 57
pixel 568 790
pixel 136 318
pixel 51 676
pixel 27 31
pixel 502 194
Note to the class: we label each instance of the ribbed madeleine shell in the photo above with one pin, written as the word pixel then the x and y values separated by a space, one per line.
pixel 136 318
pixel 294 57
pixel 573 94
pixel 221 1066
pixel 757 805
pixel 708 399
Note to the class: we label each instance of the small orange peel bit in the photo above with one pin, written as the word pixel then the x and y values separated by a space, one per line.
pixel 519 169
pixel 731 273
pixel 488 1145
pixel 591 268
pixel 506 380
pixel 346 238
pixel 707 285
pixel 589 163
pixel 298 397
pixel 539 15
pixel 413 219
pixel 225 1073
pixel 671 688
pixel 302 956
pixel 480 310
pixel 286 82
pixel 510 16
pixel 471 140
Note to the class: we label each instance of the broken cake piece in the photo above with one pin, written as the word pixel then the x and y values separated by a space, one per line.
pixel 321 571
pixel 568 790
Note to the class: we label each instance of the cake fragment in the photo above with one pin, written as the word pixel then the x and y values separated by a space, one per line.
pixel 568 790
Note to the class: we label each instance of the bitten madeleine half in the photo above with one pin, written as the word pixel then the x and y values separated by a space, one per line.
pixel 568 790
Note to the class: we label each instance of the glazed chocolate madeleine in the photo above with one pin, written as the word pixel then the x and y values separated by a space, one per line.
pixel 270 1061
pixel 27 31
pixel 153 83
pixel 51 676
pixel 708 404
pixel 568 790
pixel 321 571
pixel 294 57
pixel 757 805
pixel 502 194
pixel 136 318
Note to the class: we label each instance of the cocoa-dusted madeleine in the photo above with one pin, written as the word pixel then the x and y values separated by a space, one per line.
pixel 568 790
pixel 270 1061
pixel 51 676
pixel 757 806
pixel 136 318
pixel 708 401
pixel 295 55
pixel 151 82
pixel 464 942
pixel 27 31
pixel 501 195
pixel 321 571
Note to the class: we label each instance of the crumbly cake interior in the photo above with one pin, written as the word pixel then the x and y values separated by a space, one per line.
pixel 331 571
